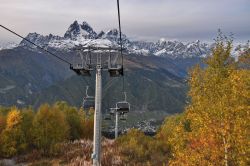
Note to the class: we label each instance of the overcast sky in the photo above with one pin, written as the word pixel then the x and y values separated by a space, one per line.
pixel 150 20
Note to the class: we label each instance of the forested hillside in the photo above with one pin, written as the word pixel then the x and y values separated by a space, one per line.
pixel 33 78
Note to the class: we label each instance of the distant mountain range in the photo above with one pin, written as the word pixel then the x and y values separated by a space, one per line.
pixel 84 34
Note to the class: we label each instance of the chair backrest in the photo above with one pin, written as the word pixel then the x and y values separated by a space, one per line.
pixel 123 118
pixel 123 106
pixel 88 102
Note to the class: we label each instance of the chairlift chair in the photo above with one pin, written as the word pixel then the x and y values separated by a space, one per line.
pixel 88 101
pixel 123 106
pixel 114 71
pixel 83 68
pixel 112 111
pixel 123 118
pixel 80 70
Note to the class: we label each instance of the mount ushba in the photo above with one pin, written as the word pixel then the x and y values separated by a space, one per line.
pixel 154 72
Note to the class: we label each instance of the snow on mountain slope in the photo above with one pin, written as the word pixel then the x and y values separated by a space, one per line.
pixel 176 49
pixel 8 45
pixel 83 34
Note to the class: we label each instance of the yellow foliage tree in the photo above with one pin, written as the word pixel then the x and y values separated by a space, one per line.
pixel 137 149
pixel 26 125
pixel 218 113
pixel 174 133
pixel 12 138
pixel 75 121
pixel 49 128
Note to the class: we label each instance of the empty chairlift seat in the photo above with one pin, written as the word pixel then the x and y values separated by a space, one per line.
pixel 80 70
pixel 123 117
pixel 112 111
pixel 88 102
pixel 115 72
pixel 115 67
pixel 81 63
pixel 123 107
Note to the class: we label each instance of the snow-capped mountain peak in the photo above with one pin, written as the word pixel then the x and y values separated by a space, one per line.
pixel 113 32
pixel 77 30
pixel 112 35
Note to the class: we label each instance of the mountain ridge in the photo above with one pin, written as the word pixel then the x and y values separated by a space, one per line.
pixel 83 34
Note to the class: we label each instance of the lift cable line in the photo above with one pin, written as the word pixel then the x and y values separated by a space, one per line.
pixel 119 21
pixel 122 107
pixel 120 33
pixel 51 53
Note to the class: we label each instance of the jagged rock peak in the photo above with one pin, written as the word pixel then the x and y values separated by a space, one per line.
pixel 112 34
pixel 101 34
pixel 77 30
pixel 39 39
pixel 85 26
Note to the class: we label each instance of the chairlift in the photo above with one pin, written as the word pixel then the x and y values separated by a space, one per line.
pixel 80 70
pixel 123 117
pixel 88 101
pixel 112 111
pixel 114 71
pixel 84 67
pixel 123 106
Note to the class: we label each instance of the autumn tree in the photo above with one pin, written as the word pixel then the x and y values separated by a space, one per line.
pixel 219 111
pixel 49 128
pixel 137 149
pixel 26 125
pixel 174 134
pixel 12 137
pixel 74 119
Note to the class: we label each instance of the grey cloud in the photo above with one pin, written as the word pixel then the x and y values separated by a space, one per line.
pixel 147 19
